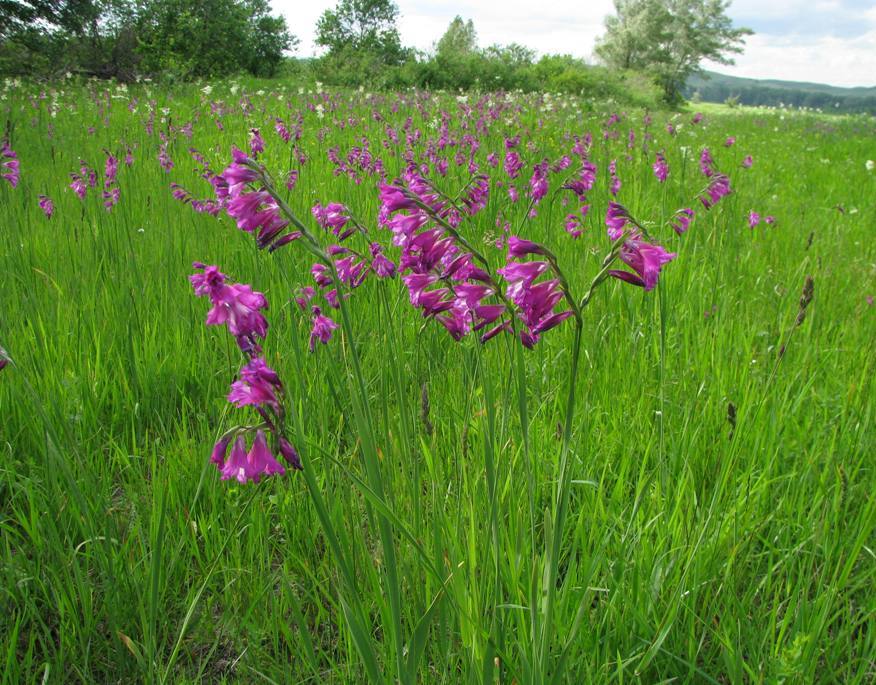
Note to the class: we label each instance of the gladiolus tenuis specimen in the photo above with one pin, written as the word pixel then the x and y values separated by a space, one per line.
pixel 9 164
pixel 258 386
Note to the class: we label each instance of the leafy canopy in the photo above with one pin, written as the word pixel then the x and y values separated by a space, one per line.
pixel 669 38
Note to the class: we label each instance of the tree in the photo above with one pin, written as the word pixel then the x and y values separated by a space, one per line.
pixel 459 39
pixel 669 38
pixel 200 38
pixel 361 26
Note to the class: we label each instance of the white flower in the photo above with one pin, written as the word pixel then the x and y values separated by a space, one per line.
pixel 870 165
pixel 206 90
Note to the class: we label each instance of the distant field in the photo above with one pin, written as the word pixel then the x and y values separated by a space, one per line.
pixel 701 511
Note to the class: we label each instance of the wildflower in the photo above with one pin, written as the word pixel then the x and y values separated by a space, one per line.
pixel 616 219
pixel 661 168
pixel 334 217
pixel 753 219
pixel 46 204
pixel 719 187
pixel 9 164
pixel 682 219
pixel 706 163
pixel 256 142
pixel 235 305
pixel 258 385
pixel 381 266
pixel 748 161
pixel 78 185
pixel 253 465
pixel 615 186
pixel 520 247
pixel 769 220
pixel 645 259
pixel 513 164
pixel 321 329
pixel 731 140
pixel 869 165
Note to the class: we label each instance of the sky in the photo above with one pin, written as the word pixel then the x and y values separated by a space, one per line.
pixel 821 41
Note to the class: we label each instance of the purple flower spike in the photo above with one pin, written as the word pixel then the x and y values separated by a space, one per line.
pixel 9 164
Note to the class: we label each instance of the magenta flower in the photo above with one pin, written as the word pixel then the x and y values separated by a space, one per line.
pixel 513 164
pixel 617 218
pixel 46 204
pixel 719 186
pixel 706 163
pixel 748 161
pixel 333 217
pixel 381 266
pixel 321 329
pixel 256 142
pixel 753 219
pixel 615 186
pixel 645 259
pixel 682 220
pixel 538 183
pixel 520 247
pixel 235 305
pixel 251 466
pixel 661 168
pixel 731 140
pixel 9 164
pixel 258 385
pixel 78 185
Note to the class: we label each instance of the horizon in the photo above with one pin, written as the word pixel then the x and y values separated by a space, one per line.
pixel 832 42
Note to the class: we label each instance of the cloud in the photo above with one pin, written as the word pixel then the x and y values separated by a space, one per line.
pixel 826 59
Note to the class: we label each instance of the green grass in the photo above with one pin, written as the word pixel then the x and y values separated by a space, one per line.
pixel 414 546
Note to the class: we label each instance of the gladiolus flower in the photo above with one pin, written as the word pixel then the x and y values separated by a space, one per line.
pixel 258 385
pixel 46 204
pixel 322 328
pixel 645 259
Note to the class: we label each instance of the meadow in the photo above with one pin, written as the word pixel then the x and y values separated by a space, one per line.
pixel 679 489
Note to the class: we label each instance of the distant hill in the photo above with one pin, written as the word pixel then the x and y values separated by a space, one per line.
pixel 714 87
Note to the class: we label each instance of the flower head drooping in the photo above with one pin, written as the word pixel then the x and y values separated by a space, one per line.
pixel 617 218
pixel 682 220
pixel 9 165
pixel 719 186
pixel 253 465
pixel 645 259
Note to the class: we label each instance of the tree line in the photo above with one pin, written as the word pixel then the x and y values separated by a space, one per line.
pixel 649 49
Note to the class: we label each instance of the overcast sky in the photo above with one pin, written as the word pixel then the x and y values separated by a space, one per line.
pixel 823 41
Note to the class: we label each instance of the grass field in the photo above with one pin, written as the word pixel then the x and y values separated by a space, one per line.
pixel 707 515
